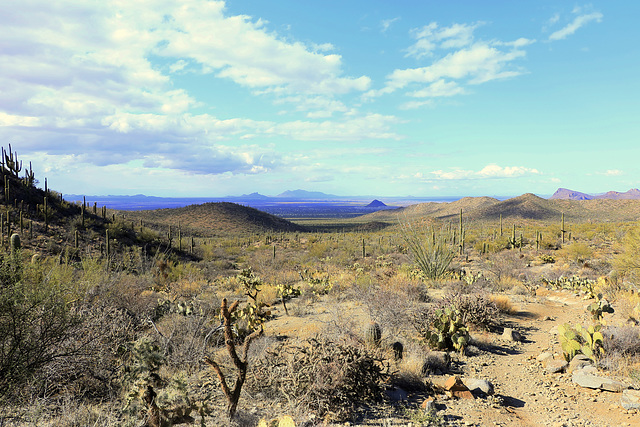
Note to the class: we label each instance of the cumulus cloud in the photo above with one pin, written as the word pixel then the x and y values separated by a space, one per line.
pixel 458 60
pixel 578 22
pixel 488 172
pixel 97 78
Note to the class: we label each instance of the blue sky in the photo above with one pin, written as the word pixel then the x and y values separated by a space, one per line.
pixel 422 98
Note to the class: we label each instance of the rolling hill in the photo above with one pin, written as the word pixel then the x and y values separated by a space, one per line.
pixel 217 218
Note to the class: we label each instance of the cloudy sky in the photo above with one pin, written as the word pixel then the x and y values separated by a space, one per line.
pixel 370 97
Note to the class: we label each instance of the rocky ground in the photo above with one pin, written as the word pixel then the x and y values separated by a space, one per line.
pixel 525 390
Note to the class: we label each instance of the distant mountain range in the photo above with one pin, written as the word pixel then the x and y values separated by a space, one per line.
pixel 566 194
pixel 522 208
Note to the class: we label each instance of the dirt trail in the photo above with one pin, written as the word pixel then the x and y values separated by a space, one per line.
pixel 526 395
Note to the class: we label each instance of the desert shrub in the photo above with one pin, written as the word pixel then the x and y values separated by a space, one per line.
pixel 330 379
pixel 35 317
pixel 622 340
pixel 475 306
pixel 577 252
pixel 627 262
pixel 503 303
pixel 390 309
pixel 622 350
pixel 505 265
pixel 95 344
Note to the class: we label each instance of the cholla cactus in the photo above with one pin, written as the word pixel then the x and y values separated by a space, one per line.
pixel 162 402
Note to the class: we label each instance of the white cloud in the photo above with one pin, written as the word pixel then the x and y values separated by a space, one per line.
pixel 488 172
pixel 573 26
pixel 386 23
pixel 438 88
pixel 462 61
pixel 611 172
pixel 243 50
pixel 478 63
pixel 85 77
pixel 431 37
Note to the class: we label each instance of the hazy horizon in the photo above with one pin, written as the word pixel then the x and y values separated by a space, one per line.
pixel 434 100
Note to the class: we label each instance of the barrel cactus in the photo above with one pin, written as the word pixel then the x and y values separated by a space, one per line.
pixel 373 334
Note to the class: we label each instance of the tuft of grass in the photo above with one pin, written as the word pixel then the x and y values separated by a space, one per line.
pixel 503 303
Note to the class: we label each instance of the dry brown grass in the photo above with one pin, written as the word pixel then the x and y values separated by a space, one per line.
pixel 503 303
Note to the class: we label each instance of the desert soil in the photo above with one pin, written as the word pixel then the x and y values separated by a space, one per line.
pixel 525 394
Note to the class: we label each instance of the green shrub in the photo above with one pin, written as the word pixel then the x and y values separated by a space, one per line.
pixel 35 318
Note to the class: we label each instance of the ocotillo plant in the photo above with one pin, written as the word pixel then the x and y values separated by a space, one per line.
pixel 562 229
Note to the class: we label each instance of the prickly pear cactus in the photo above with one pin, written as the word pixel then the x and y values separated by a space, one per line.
pixel 587 341
pixel 447 331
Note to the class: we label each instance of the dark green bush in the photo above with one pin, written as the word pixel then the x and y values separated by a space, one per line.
pixel 35 318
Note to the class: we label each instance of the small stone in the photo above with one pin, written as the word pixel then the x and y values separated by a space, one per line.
pixel 511 335
pixel 578 362
pixel 479 386
pixel 630 399
pixel 544 356
pixel 586 377
pixel 429 405
pixel 456 388
pixel 555 366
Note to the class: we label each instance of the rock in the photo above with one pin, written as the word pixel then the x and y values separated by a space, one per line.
pixel 554 366
pixel 579 362
pixel 510 335
pixel 479 386
pixel 544 357
pixel 454 387
pixel 585 378
pixel 590 369
pixel 429 405
pixel 630 399
pixel 614 386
